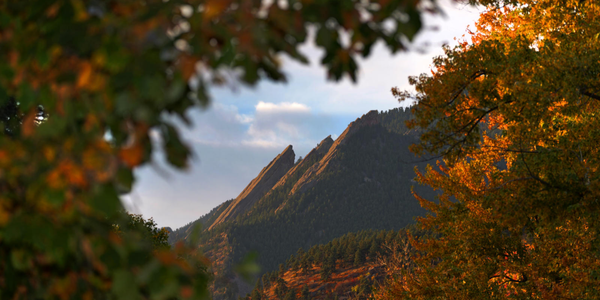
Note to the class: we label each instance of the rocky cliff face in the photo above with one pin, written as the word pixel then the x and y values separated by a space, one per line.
pixel 259 186
pixel 314 155
pixel 311 175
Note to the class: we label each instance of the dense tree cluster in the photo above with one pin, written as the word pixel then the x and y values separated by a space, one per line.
pixel 350 250
pixel 515 114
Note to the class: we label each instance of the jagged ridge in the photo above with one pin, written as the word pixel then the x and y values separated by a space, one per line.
pixel 259 186
pixel 309 178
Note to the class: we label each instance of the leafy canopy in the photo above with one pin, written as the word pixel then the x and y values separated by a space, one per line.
pixel 515 114
pixel 133 224
pixel 122 69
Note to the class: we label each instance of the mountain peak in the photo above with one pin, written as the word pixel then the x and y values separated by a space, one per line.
pixel 309 178
pixel 326 141
pixel 259 186
pixel 314 155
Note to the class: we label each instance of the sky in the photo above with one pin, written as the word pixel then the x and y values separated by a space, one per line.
pixel 243 128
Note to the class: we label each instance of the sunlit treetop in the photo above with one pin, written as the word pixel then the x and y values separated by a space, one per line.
pixel 521 60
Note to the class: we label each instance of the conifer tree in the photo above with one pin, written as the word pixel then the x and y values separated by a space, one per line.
pixel 305 294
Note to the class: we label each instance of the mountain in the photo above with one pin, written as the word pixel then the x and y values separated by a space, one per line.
pixel 258 187
pixel 361 181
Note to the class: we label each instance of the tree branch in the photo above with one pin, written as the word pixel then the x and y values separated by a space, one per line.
pixel 464 86
pixel 516 280
pixel 585 91
pixel 593 96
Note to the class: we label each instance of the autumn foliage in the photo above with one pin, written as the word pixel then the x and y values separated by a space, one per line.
pixel 515 115
pixel 107 74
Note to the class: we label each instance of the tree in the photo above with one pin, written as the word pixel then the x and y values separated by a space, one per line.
pixel 256 294
pixel 305 294
pixel 126 68
pixel 281 288
pixel 359 257
pixel 374 249
pixel 291 295
pixel 328 265
pixel 514 113
pixel 136 225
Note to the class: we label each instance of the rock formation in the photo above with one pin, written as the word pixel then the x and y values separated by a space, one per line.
pixel 259 186
pixel 315 154
pixel 311 175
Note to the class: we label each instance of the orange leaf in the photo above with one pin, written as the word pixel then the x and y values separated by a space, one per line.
pixel 188 66
pixel 28 126
pixel 214 8
pixel 4 215
pixel 186 291
pixel 85 75
pixel 52 10
pixel 132 156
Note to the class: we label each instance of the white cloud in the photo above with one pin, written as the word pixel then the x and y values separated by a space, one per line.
pixel 263 143
pixel 244 119
pixel 270 125
pixel 280 122
pixel 284 107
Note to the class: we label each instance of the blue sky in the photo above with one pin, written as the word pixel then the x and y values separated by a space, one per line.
pixel 244 129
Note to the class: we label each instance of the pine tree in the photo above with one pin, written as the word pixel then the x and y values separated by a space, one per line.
pixel 374 249
pixel 305 294
pixel 291 295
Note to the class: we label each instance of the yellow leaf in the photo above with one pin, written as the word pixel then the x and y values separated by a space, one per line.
pixel 132 156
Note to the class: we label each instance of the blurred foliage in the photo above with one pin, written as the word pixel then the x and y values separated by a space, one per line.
pixel 515 114
pixel 107 73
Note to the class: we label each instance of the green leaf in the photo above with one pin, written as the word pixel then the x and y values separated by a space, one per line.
pixel 55 197
pixel 125 179
pixel 20 259
pixel 123 280
pixel 176 90
pixel 26 97
pixel 106 200
pixel 177 153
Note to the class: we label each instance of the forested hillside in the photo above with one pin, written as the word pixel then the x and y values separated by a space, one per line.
pixel 350 266
pixel 363 182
